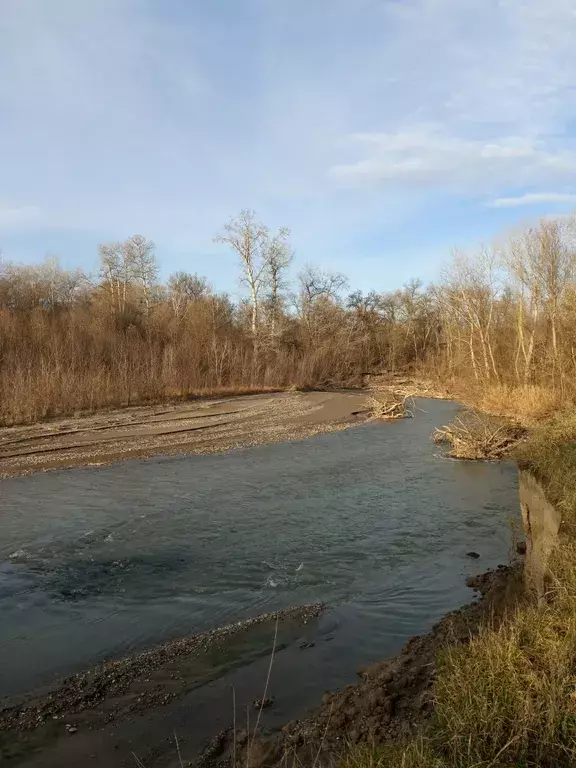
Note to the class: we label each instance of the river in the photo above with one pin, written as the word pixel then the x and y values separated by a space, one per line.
pixel 98 562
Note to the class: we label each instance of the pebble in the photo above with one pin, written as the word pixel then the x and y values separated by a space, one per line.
pixel 262 703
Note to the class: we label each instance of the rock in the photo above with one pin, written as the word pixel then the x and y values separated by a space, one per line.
pixel 474 555
pixel 71 728
pixel 521 547
pixel 262 703
pixel 241 737
pixel 305 645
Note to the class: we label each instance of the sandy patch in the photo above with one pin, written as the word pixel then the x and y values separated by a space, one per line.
pixel 207 426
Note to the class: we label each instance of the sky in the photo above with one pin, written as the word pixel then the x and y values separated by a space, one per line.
pixel 381 132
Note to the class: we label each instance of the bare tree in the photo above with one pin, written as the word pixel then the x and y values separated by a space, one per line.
pixel 249 239
pixel 140 253
pixel 117 272
pixel 278 257
pixel 184 289
pixel 470 291
pixel 264 259
pixel 542 264
pixel 62 286
pixel 316 283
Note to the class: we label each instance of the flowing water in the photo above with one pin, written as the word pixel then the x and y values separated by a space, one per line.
pixel 98 562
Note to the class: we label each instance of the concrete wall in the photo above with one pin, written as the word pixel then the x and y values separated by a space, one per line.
pixel 542 523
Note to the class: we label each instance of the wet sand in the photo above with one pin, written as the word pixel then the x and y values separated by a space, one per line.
pixel 134 705
pixel 207 426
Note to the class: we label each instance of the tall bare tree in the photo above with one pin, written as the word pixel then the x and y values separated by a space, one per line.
pixel 140 253
pixel 278 257
pixel 248 237
pixel 117 273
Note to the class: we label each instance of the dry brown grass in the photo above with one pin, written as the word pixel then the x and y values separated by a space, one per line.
pixel 527 404
pixel 509 697
pixel 417 754
pixel 551 455
pixel 215 392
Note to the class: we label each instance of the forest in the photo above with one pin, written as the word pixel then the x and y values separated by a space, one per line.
pixel 497 321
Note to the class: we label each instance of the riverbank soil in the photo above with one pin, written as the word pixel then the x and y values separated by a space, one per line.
pixel 207 426
pixel 393 699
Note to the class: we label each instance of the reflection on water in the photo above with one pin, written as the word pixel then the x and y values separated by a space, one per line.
pixel 97 562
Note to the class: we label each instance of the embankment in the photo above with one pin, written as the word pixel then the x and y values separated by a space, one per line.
pixel 542 522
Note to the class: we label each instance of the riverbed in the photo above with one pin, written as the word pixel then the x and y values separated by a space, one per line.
pixel 99 563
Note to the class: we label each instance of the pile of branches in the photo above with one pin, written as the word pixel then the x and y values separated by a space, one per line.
pixel 478 436
pixel 389 403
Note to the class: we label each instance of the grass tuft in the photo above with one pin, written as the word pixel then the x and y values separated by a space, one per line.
pixel 509 697
pixel 417 754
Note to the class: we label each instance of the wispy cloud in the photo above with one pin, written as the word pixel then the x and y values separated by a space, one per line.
pixel 427 155
pixel 19 217
pixel 341 118
pixel 534 198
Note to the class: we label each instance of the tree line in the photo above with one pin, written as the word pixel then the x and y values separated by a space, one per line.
pixel 70 342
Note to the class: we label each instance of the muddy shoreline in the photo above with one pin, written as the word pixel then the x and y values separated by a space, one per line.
pixel 208 426
pixel 393 698
pixel 121 692
pixel 124 706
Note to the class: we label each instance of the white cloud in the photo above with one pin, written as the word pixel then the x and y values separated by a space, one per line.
pixel 19 217
pixel 340 118
pixel 533 198
pixel 483 101
pixel 427 155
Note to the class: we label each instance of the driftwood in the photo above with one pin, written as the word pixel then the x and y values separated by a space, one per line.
pixel 388 403
pixel 474 436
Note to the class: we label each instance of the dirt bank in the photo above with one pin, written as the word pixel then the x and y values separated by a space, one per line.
pixel 207 426
pixel 393 697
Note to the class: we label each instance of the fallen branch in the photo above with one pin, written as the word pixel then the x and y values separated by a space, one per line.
pixel 475 436
pixel 387 403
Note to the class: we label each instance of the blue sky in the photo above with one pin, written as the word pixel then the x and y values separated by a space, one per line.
pixel 382 132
